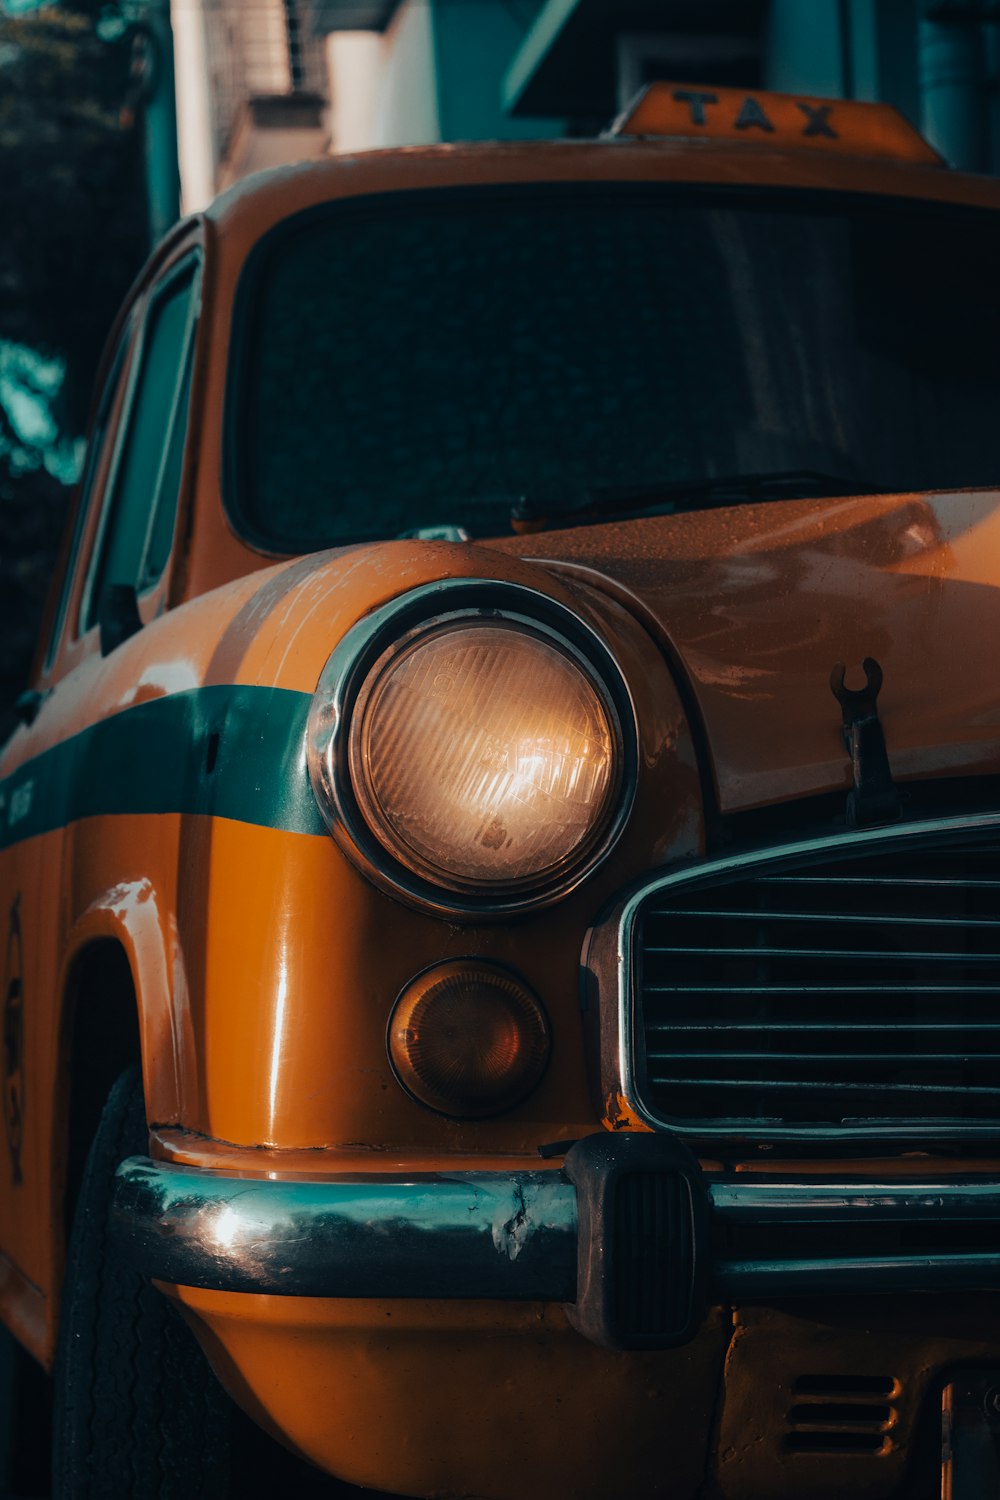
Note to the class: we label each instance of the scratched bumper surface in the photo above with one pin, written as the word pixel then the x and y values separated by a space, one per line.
pixel 483 1235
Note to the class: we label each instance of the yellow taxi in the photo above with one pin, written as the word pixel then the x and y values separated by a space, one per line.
pixel 500 864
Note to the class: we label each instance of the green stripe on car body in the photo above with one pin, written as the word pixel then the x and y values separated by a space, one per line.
pixel 227 752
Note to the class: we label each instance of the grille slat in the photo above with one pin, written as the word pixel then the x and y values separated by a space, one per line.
pixel 707 1055
pixel 814 1085
pixel 846 955
pixel 849 1027
pixel 849 917
pixel 903 880
pixel 899 1025
pixel 819 989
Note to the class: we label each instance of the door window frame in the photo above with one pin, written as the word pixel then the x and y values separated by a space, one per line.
pixel 102 445
pixel 190 262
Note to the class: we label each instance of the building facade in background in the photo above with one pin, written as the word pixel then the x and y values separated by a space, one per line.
pixel 252 90
pixel 270 81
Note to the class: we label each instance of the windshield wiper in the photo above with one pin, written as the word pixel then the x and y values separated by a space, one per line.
pixel 536 511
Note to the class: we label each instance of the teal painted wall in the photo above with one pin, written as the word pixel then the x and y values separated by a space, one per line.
pixel 852 49
pixel 475 41
pixel 445 61
pixel 896 34
pixel 802 49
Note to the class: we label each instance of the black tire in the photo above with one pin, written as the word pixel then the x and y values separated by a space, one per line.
pixel 138 1412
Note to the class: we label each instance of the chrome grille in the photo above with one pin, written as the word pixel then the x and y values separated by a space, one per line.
pixel 838 991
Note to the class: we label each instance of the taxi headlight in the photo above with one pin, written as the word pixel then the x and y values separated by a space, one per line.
pixel 483 751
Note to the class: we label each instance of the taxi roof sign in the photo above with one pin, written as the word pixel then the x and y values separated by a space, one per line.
pixel 838 126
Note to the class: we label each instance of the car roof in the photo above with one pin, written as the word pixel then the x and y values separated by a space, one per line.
pixel 265 198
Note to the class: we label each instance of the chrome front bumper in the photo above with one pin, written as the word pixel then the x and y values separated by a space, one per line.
pixel 628 1221
pixel 471 1234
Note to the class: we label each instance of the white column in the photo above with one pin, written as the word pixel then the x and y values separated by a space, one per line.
pixel 355 61
pixel 194 119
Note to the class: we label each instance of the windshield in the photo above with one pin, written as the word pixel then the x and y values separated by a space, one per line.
pixel 428 358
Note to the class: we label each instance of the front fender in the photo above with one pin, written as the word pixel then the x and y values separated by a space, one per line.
pixel 133 915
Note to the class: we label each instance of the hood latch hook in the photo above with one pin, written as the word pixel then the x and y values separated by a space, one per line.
pixel 874 797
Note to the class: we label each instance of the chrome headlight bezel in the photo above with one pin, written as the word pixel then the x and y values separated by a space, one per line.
pixel 392 627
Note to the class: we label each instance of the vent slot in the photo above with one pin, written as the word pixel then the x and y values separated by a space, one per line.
pixel 846 1385
pixel 836 1414
pixel 836 1442
pixel 862 992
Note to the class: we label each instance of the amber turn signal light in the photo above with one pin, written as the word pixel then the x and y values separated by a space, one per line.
pixel 468 1039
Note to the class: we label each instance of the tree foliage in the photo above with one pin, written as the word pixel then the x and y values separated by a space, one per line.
pixel 73 237
pixel 71 176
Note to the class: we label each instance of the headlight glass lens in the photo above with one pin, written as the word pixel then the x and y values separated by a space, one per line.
pixel 483 754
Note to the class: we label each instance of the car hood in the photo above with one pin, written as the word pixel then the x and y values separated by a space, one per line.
pixel 756 604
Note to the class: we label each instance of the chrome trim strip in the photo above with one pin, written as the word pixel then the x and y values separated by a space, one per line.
pixel 814 1206
pixel 753 1280
pixel 849 1201
pixel 609 958
pixel 343 677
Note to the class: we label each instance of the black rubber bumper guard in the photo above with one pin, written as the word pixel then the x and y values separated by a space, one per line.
pixel 630 1234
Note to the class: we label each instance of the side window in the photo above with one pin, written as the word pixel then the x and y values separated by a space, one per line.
pixel 99 439
pixel 138 522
